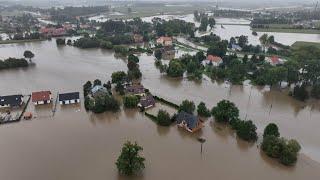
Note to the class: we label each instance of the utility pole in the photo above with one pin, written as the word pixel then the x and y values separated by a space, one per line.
pixel 201 140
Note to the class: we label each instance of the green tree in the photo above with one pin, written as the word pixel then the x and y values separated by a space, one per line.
pixel 106 45
pixel 133 58
pixel 158 54
pixel 293 71
pixel 163 118
pixel 264 39
pixel 300 92
pixel 97 82
pixel 175 69
pixel 88 103
pixel 225 111
pixel 187 106
pixel 134 74
pixel 315 91
pixel 217 49
pixel 28 54
pixel 87 88
pixel 118 77
pixel 212 22
pixel 130 101
pixel 271 130
pixel 130 161
pixel 246 130
pixel 203 110
pixel 273 146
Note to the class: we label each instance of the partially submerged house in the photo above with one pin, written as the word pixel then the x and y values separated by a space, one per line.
pixel 135 89
pixel 69 98
pixel 212 60
pixel 99 90
pixel 11 101
pixel 165 41
pixel 41 97
pixel 236 47
pixel 147 102
pixel 189 122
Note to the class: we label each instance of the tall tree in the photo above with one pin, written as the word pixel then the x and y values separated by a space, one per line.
pixel 130 161
pixel 28 54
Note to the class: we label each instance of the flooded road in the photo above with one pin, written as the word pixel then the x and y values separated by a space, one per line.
pixel 75 144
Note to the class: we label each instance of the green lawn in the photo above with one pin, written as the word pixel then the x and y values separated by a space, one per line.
pixel 303 43
pixel 20 41
pixel 304 31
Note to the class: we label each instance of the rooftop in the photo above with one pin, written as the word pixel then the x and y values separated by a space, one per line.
pixel 41 96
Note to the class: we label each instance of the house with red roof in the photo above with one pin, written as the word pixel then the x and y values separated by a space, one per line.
pixel 212 60
pixel 165 41
pixel 41 97
pixel 52 32
pixel 274 60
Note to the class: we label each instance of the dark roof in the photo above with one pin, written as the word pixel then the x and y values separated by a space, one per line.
pixel 190 119
pixel 135 89
pixel 12 100
pixel 147 101
pixel 41 96
pixel 69 96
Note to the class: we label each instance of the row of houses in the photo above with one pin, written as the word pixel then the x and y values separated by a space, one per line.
pixel 45 97
pixel 216 60
pixel 39 98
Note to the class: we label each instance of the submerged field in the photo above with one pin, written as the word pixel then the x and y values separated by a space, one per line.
pixel 75 144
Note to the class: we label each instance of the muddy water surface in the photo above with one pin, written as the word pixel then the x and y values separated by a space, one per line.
pixel 75 144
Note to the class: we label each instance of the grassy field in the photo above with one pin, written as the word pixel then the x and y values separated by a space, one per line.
pixel 303 43
pixel 284 30
pixel 20 41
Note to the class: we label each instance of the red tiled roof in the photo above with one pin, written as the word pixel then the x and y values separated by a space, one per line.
pixel 275 59
pixel 165 38
pixel 41 96
pixel 214 58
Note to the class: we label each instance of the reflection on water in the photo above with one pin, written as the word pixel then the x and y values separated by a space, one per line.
pixel 75 144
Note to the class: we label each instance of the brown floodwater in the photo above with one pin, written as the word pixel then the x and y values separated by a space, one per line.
pixel 78 145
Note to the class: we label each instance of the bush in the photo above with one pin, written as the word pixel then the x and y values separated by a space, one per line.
pixel 163 118
pixel 225 111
